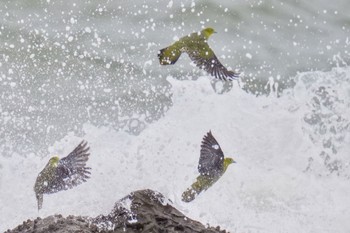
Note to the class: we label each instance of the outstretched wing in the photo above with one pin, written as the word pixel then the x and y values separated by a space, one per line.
pixel 205 59
pixel 211 160
pixel 71 170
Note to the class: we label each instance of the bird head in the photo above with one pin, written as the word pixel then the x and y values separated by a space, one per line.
pixel 228 161
pixel 53 162
pixel 207 32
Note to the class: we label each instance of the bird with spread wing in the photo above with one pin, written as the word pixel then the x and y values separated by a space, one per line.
pixel 212 165
pixel 62 174
pixel 197 48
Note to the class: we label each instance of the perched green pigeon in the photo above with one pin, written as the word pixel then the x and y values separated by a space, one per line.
pixel 197 48
pixel 212 165
pixel 63 174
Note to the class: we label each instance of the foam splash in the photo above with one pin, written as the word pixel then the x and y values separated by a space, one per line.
pixel 327 117
pixel 269 189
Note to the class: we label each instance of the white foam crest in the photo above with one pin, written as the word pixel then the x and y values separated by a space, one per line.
pixel 267 190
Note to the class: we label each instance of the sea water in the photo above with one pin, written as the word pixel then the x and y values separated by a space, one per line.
pixel 89 70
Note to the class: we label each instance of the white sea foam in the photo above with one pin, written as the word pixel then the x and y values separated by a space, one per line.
pixel 272 187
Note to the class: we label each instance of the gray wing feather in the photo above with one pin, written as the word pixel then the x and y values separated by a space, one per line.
pixel 212 65
pixel 211 160
pixel 71 170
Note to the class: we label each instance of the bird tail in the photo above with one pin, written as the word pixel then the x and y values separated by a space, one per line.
pixel 189 195
pixel 196 188
pixel 39 198
pixel 169 55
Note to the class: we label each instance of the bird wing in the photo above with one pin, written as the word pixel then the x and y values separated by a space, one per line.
pixel 205 58
pixel 71 170
pixel 169 55
pixel 211 160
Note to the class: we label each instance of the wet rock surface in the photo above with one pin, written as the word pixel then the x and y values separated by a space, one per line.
pixel 140 211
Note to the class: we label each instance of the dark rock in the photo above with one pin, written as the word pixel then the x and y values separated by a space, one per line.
pixel 140 211
pixel 54 223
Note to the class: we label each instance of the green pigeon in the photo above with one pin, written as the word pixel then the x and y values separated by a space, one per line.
pixel 212 165
pixel 62 174
pixel 197 48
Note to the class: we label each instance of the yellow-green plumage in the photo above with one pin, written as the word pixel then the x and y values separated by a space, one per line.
pixel 197 48
pixel 45 177
pixel 63 174
pixel 212 165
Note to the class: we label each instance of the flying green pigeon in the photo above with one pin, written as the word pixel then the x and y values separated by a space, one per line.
pixel 212 165
pixel 63 174
pixel 197 48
